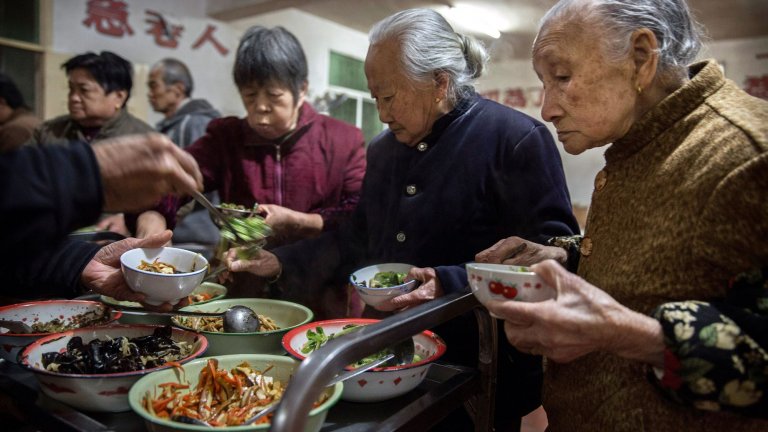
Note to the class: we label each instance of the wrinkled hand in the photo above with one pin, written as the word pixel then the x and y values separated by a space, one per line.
pixel 429 289
pixel 512 252
pixel 103 275
pixel 287 223
pixel 138 170
pixel 265 264
pixel 580 320
pixel 114 223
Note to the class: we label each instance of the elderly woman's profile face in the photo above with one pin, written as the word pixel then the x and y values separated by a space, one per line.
pixel 272 109
pixel 409 110
pixel 89 105
pixel 590 101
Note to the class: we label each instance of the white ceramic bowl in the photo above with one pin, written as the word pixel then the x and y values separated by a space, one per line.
pixel 96 392
pixel 375 296
pixel 377 384
pixel 282 368
pixel 499 282
pixel 45 311
pixel 287 315
pixel 161 288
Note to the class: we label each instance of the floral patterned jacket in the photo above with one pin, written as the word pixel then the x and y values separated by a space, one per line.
pixel 716 355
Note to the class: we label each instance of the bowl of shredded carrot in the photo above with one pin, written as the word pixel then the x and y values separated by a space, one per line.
pixel 222 392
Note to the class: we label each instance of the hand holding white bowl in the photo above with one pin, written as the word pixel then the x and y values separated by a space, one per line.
pixel 161 288
pixel 104 276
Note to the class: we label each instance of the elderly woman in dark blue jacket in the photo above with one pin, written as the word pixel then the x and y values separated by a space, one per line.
pixel 453 174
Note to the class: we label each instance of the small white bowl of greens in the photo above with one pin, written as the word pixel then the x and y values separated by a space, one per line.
pixel 380 282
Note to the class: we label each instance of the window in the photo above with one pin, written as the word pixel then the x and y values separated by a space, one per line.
pixel 20 49
pixel 352 102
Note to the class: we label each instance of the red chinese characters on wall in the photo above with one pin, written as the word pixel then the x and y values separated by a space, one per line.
pixel 757 86
pixel 516 97
pixel 109 17
pixel 166 34
pixel 207 36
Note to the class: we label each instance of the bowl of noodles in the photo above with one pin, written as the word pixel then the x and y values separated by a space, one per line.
pixel 252 382
pixel 277 318
pixel 163 275
pixel 46 317
pixel 93 368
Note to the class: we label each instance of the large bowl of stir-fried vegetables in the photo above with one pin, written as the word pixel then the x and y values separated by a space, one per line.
pixel 47 317
pixel 377 384
pixel 222 391
pixel 93 368
pixel 277 318
pixel 164 274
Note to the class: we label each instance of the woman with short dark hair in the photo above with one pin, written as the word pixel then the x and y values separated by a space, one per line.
pixel 302 168
pixel 99 88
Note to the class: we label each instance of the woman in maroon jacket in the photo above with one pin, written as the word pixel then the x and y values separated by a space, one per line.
pixel 304 169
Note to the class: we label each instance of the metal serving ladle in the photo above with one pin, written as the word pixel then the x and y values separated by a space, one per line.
pixel 338 378
pixel 237 319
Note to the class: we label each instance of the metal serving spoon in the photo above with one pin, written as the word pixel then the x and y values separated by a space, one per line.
pixel 237 319
pixel 340 377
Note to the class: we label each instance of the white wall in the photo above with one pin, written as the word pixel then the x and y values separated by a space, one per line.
pixel 317 36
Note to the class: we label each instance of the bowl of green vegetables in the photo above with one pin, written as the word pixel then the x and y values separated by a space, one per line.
pixel 245 230
pixel 381 282
pixel 377 384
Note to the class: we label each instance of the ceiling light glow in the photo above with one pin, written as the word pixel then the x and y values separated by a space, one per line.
pixel 475 19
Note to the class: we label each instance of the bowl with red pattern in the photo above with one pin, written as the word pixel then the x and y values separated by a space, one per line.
pixel 46 317
pixel 94 368
pixel 380 383
pixel 502 282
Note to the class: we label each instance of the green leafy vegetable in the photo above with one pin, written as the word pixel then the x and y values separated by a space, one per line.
pixel 318 338
pixel 387 279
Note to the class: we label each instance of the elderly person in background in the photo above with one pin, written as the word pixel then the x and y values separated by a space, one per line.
pixel 99 88
pixel 304 169
pixel 451 173
pixel 170 93
pixel 170 90
pixel 16 120
pixel 678 209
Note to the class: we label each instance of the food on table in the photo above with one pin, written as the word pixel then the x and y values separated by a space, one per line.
pixel 216 324
pixel 86 319
pixel 199 297
pixel 220 398
pixel 385 280
pixel 318 338
pixel 158 267
pixel 119 354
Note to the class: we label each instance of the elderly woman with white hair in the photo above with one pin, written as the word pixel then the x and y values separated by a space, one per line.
pixel 452 173
pixel 678 209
